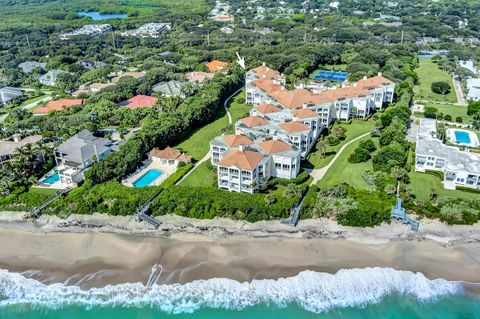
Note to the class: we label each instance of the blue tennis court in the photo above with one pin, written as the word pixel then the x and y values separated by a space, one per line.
pixel 325 75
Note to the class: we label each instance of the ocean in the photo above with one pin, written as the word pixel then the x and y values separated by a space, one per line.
pixel 350 293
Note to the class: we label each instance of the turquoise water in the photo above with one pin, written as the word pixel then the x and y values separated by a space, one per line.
pixel 99 16
pixel 147 178
pixel 52 179
pixel 351 293
pixel 462 137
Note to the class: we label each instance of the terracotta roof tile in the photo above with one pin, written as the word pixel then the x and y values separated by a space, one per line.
pixel 58 105
pixel 237 140
pixel 268 86
pixel 246 160
pixel 373 82
pixel 167 153
pixel 293 127
pixel 304 113
pixel 264 72
pixel 268 108
pixel 216 65
pixel 198 77
pixel 140 101
pixel 275 146
pixel 254 121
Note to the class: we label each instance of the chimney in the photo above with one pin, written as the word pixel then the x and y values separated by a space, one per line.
pixel 264 76
pixel 282 88
pixel 305 105
pixel 275 138
pixel 241 148
pixel 355 84
pixel 379 73
pixel 17 138
pixel 264 64
pixel 365 77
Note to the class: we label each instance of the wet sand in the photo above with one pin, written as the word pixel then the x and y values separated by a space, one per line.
pixel 93 259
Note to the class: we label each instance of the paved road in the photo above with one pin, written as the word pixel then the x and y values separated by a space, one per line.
pixel 319 173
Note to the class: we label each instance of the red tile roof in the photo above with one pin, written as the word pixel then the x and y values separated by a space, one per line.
pixel 237 140
pixel 304 113
pixel 294 126
pixel 140 101
pixel 275 146
pixel 246 160
pixel 254 121
pixel 264 72
pixel 198 77
pixel 373 82
pixel 268 108
pixel 216 65
pixel 268 86
pixel 169 154
pixel 58 105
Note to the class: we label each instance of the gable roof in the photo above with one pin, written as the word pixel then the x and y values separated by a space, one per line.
pixel 237 140
pixel 169 154
pixel 139 101
pixel 268 108
pixel 136 75
pixel 293 99
pixel 294 126
pixel 58 105
pixel 216 65
pixel 246 160
pixel 254 121
pixel 275 146
pixel 170 88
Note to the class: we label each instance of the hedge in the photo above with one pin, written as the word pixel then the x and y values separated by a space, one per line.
pixel 467 189
pixel 438 174
pixel 301 178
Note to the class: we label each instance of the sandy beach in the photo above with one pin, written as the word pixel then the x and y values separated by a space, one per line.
pixel 95 250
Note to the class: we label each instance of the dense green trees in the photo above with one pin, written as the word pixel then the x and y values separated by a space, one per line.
pixel 441 87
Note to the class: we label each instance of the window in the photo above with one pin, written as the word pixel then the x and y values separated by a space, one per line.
pixel 278 165
pixel 286 167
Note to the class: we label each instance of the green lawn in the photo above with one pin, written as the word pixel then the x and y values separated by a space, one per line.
pixel 32 100
pixel 197 145
pixel 201 176
pixel 344 172
pixel 354 130
pixel 428 72
pixel 422 184
pixel 453 110
pixel 42 191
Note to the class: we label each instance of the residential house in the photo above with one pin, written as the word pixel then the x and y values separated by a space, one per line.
pixel 7 94
pixel 78 153
pixel 170 88
pixel 136 75
pixel 28 66
pixel 169 156
pixel 460 168
pixel 139 101
pixel 198 77
pixel 90 65
pixel 91 88
pixel 216 65
pixel 50 78
pixel 8 147
pixel 58 105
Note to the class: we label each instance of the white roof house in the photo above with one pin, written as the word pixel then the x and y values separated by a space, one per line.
pixel 7 94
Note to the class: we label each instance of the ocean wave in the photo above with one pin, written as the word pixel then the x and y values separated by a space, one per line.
pixel 313 291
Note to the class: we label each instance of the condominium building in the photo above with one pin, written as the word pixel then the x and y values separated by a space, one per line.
pixel 149 30
pixel 89 30
pixel 352 100
pixel 460 168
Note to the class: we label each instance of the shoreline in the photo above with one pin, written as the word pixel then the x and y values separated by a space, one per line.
pixel 96 250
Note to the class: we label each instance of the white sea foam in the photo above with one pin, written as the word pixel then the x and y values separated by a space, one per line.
pixel 313 291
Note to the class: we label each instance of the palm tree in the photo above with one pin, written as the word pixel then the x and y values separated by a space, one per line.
pixel 43 150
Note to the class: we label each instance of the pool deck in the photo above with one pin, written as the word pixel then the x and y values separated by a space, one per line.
pixel 166 169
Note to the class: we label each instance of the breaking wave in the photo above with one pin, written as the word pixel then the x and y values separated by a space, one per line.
pixel 313 291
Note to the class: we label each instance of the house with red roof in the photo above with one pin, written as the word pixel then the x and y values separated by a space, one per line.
pixel 57 105
pixel 216 65
pixel 168 156
pixel 139 101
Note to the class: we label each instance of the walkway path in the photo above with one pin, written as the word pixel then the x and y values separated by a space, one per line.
pixel 319 173
pixel 459 92
pixel 33 104
pixel 207 156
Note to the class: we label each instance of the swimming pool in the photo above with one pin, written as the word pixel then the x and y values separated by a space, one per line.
pixel 463 137
pixel 52 179
pixel 147 178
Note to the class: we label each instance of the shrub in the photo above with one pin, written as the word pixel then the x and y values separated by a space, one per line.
pixel 333 140
pixel 441 87
pixel 459 119
pixel 359 155
pixel 430 112
pixel 301 178
pixel 447 117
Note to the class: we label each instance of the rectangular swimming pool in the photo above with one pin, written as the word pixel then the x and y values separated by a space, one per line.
pixel 147 178
pixel 52 179
pixel 462 137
